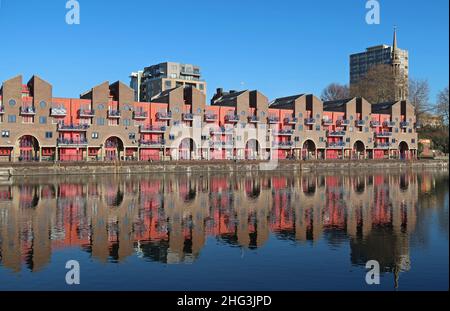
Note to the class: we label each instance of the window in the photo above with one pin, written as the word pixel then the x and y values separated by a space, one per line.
pixel 318 128
pixel 171 137
pixel 321 139
pixel 94 135
pixel 300 127
pixel 413 141
pixel 396 129
pixel 12 102
pixel 242 113
pixel 42 120
pixel 43 104
pixel 48 134
pixel 369 140
pixel 204 137
pixel 366 130
pixel 267 138
pixel 300 115
pixel 131 136
pixel 296 138
pixel 201 87
pixel 347 139
pixel 5 134
pixel 100 121
pixel 11 118
pixel 317 116
pixel 100 107
pixel 393 140
pixel 168 84
pixel 126 122
pixel 238 138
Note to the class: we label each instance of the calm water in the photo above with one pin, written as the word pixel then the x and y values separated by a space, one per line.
pixel 268 231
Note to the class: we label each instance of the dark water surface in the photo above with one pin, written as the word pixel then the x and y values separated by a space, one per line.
pixel 247 231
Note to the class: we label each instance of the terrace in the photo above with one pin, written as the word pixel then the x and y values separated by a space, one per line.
pixel 335 133
pixel 404 124
pixel 71 142
pixel 232 118
pixel 152 143
pixel 343 122
pixel 290 120
pixel 210 117
pixel 310 121
pixel 383 134
pixel 140 115
pixel 188 116
pixel 73 127
pixel 338 144
pixel 162 115
pixel 27 110
pixel 327 121
pixel 374 123
pixel 86 113
pixel 360 122
pixel 382 145
pixel 273 119
pixel 58 112
pixel 282 144
pixel 283 132
pixel 253 119
pixel 388 123
pixel 113 114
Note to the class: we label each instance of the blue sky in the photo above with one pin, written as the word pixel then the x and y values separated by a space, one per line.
pixel 280 47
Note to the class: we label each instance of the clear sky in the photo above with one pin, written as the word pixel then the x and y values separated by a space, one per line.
pixel 280 47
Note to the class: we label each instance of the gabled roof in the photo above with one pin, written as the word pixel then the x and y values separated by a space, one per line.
pixel 228 99
pixel 284 102
pixel 382 107
pixel 336 105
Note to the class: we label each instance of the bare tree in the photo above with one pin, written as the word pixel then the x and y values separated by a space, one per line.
pixel 335 91
pixel 377 86
pixel 443 105
pixel 419 92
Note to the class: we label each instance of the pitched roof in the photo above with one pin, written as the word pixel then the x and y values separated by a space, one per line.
pixel 227 99
pixel 284 102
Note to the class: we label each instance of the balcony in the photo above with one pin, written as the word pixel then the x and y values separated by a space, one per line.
pixel 310 121
pixel 382 145
pixel 404 124
pixel 253 119
pixel 375 123
pixel 360 122
pixel 282 144
pixel 221 131
pixel 343 122
pixel 73 127
pixel 335 133
pixel 383 134
pixel 338 144
pixel 152 143
pixel 284 132
pixel 164 115
pixel 388 123
pixel 86 113
pixel 113 114
pixel 152 129
pixel 27 111
pixel 2 110
pixel 290 120
pixel 188 116
pixel 273 119
pixel 327 121
pixel 71 142
pixel 232 118
pixel 210 117
pixel 58 112
pixel 140 115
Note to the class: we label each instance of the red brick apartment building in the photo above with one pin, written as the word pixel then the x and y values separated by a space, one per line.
pixel 106 124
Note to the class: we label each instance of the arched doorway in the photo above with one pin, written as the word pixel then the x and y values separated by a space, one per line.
pixel 252 149
pixel 404 151
pixel 309 150
pixel 28 148
pixel 113 148
pixel 359 150
pixel 186 150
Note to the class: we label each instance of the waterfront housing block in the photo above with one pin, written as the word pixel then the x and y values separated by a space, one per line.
pixel 107 124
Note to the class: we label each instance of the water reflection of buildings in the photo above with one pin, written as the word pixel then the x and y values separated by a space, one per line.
pixel 167 219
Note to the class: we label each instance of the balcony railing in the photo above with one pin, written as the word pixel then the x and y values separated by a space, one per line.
pixel 58 112
pixel 253 119
pixel 383 134
pixel 188 116
pixel 152 129
pixel 343 122
pixel 113 114
pixel 86 113
pixel 388 123
pixel 338 144
pixel 282 144
pixel 404 124
pixel 360 122
pixel 220 131
pixel 139 115
pixel 232 118
pixel 382 145
pixel 273 119
pixel 71 142
pixel 27 110
pixel 310 121
pixel 73 127
pixel 152 143
pixel 375 123
pixel 210 117
pixel 164 115
pixel 327 121
pixel 290 120
pixel 335 133
pixel 283 132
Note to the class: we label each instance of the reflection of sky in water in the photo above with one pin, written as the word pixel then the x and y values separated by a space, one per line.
pixel 268 231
